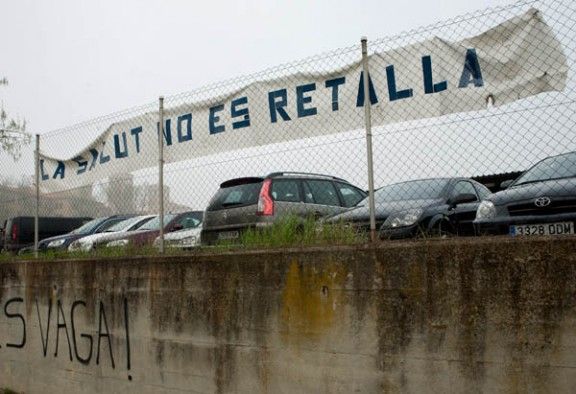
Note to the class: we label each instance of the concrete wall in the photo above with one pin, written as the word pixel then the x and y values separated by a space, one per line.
pixel 445 316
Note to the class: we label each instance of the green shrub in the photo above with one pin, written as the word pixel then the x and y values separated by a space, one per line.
pixel 295 231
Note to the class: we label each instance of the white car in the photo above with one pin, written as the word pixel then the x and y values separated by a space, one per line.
pixel 117 231
pixel 182 239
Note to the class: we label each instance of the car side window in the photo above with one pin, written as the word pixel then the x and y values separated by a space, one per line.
pixel 188 221
pixel 308 197
pixel 286 190
pixel 350 195
pixel 463 187
pixel 322 192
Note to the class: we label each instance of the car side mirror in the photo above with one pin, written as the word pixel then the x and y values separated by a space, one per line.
pixel 462 199
pixel 506 184
pixel 177 227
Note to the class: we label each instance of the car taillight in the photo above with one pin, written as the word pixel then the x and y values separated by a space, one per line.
pixel 14 232
pixel 265 202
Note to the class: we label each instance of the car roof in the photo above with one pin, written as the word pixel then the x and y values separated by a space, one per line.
pixel 240 181
pixel 286 174
pixel 296 174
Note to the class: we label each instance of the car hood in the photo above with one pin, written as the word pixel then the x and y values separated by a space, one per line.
pixel 102 237
pixel 551 188
pixel 383 210
pixel 66 237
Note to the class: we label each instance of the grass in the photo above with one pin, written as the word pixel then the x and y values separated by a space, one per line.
pixel 7 391
pixel 98 253
pixel 293 231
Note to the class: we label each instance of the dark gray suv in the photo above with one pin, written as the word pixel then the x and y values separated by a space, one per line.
pixel 255 202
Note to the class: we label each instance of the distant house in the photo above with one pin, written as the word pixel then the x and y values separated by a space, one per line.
pixel 494 181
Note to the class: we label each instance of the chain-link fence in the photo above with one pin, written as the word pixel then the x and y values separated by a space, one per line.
pixel 457 108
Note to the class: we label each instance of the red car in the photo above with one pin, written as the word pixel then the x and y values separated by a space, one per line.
pixel 146 234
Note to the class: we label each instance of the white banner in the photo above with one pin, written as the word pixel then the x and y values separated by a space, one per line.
pixel 514 60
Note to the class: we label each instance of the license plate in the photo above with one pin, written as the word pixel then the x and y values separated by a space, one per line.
pixel 228 235
pixel 543 229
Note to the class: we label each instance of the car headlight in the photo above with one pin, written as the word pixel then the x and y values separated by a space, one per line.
pixel 55 244
pixel 403 218
pixel 486 210
pixel 188 241
pixel 86 246
pixel 118 243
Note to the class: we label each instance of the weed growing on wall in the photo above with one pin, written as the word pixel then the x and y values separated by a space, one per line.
pixel 295 231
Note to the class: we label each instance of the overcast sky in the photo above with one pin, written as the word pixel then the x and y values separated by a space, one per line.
pixel 69 61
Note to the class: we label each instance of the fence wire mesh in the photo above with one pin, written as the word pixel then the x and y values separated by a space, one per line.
pixel 429 156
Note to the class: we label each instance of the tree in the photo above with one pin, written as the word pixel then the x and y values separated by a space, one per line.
pixel 12 132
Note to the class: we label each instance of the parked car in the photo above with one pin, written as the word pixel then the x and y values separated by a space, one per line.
pixel 117 231
pixel 542 201
pixel 434 206
pixel 146 234
pixel 182 239
pixel 20 230
pixel 257 202
pixel 61 242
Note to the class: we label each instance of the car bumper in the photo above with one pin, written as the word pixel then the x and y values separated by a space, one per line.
pixel 501 225
pixel 400 232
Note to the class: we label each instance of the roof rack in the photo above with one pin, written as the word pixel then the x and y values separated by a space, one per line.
pixel 303 174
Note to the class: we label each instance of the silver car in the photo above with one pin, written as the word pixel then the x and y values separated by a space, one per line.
pixel 255 202
pixel 117 231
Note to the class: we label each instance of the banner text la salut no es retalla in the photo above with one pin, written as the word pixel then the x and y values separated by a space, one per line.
pixel 427 79
pixel 128 142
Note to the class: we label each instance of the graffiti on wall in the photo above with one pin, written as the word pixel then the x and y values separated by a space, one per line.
pixel 56 325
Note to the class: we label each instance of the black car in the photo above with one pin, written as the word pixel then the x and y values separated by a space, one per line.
pixel 542 201
pixel 61 242
pixel 19 230
pixel 425 206
pixel 146 234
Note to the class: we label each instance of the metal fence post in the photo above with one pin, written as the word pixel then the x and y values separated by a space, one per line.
pixel 161 172
pixel 37 182
pixel 368 121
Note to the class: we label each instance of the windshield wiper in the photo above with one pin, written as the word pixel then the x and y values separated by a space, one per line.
pixel 543 180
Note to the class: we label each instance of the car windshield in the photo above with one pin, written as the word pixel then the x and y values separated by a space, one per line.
pixel 415 190
pixel 244 193
pixel 154 224
pixel 126 224
pixel 88 227
pixel 556 167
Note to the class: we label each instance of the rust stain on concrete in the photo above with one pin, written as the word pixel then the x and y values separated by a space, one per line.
pixel 311 300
